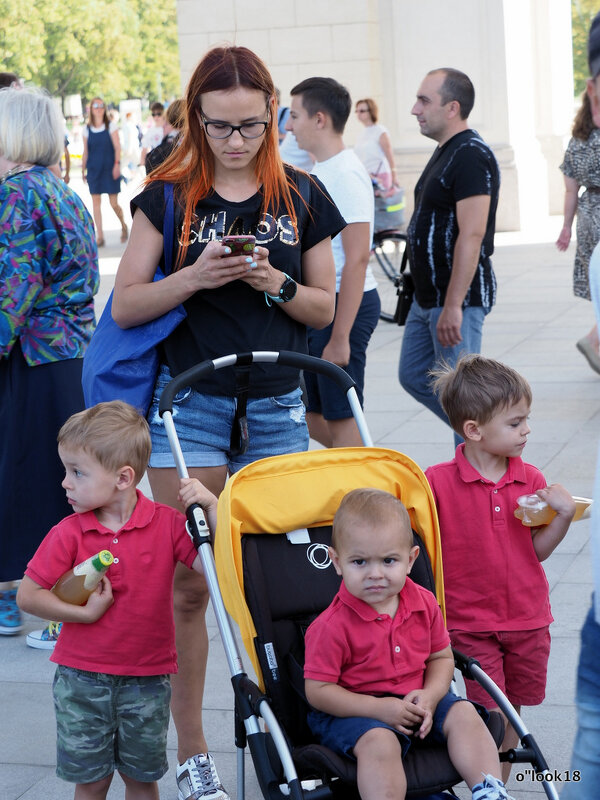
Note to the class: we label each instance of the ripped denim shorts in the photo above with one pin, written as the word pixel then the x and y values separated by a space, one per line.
pixel 203 423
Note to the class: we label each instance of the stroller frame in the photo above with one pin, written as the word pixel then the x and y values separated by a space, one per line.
pixel 251 702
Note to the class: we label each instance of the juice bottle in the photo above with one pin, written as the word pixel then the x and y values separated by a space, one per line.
pixel 533 511
pixel 76 585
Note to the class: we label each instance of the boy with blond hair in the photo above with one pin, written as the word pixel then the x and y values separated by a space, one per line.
pixel 497 596
pixel 379 665
pixel 116 652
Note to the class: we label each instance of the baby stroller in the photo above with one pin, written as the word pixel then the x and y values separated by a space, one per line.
pixel 274 576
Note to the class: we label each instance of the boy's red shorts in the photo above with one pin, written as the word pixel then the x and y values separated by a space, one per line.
pixel 516 661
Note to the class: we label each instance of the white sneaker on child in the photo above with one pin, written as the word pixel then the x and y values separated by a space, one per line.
pixel 490 789
pixel 197 779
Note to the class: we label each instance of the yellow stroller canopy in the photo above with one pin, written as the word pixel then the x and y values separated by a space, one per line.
pixel 303 490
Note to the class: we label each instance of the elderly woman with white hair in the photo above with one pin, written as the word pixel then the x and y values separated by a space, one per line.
pixel 48 278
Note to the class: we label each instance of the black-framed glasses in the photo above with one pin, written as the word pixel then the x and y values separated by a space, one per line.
pixel 223 130
pixel 157 113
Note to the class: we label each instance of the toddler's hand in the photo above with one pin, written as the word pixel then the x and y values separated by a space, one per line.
pixel 420 699
pixel 559 499
pixel 402 715
pixel 192 491
pixel 100 600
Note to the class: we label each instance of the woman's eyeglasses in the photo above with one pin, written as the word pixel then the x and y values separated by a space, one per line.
pixel 362 110
pixel 222 130
pixel 97 105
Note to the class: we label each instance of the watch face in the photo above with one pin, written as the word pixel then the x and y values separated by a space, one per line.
pixel 288 290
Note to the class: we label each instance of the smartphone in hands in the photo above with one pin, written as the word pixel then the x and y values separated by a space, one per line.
pixel 239 245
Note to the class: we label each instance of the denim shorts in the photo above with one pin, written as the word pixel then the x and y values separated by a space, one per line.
pixel 324 396
pixel 110 722
pixel 203 424
pixel 340 734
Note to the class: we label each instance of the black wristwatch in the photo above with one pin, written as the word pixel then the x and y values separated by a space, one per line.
pixel 287 292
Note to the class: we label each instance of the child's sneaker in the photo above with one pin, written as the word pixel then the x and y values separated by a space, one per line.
pixel 197 779
pixel 10 615
pixel 45 639
pixel 490 789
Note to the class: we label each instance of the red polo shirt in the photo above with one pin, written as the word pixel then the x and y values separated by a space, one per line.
pixel 352 645
pixel 493 580
pixel 136 636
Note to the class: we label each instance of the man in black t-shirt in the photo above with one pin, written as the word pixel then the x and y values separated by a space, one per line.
pixel 451 236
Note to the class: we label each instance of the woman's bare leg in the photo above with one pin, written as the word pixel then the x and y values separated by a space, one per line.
pixel 114 204
pixel 97 211
pixel 190 602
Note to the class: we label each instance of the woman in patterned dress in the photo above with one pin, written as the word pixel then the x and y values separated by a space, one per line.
pixel 581 167
pixel 48 278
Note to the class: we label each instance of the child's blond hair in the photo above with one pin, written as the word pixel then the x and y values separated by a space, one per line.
pixel 113 433
pixel 372 507
pixel 477 388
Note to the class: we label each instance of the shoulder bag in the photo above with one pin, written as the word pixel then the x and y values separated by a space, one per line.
pixel 122 363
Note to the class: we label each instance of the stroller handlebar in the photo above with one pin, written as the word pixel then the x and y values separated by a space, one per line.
pixel 286 358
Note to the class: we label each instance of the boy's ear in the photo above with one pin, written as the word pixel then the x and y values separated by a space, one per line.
pixel 414 552
pixel 125 478
pixel 471 431
pixel 335 560
pixel 320 119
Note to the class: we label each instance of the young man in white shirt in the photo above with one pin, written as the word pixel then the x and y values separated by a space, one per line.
pixel 319 111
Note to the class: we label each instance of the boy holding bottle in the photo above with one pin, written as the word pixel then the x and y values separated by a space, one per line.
pixel 116 652
pixel 496 591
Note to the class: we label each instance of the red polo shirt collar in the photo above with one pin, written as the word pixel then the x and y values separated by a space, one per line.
pixel 515 472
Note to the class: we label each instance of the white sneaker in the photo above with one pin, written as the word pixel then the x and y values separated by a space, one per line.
pixel 197 778
pixel 44 639
pixel 490 789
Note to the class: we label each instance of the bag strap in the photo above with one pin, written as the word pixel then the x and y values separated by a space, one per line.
pixel 303 184
pixel 168 227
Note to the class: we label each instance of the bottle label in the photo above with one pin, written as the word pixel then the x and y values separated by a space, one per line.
pixel 91 580
pixel 83 568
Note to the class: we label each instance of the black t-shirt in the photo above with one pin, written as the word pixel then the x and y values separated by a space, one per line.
pixel 235 318
pixel 463 167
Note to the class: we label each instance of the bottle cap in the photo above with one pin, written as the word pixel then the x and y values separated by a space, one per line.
pixel 103 559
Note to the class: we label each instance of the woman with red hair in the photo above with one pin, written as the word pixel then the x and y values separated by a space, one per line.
pixel 228 178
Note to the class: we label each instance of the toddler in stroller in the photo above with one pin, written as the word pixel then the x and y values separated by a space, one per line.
pixel 378 663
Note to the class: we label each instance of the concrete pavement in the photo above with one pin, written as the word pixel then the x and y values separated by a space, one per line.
pixel 533 328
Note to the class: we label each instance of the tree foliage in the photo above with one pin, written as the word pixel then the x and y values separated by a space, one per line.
pixel 582 14
pixel 111 48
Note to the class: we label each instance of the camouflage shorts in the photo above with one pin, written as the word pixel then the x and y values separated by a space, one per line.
pixel 110 722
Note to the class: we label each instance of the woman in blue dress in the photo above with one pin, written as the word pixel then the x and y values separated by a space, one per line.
pixel 101 165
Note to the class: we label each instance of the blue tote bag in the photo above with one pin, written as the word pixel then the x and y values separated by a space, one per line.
pixel 122 363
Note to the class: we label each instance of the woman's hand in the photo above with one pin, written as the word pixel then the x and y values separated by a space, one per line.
pixel 564 238
pixel 263 277
pixel 215 267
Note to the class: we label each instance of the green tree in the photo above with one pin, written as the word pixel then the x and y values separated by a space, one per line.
pixel 111 48
pixel 582 14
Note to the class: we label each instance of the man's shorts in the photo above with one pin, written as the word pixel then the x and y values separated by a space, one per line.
pixel 324 396
pixel 340 734
pixel 110 722
pixel 203 423
pixel 517 661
